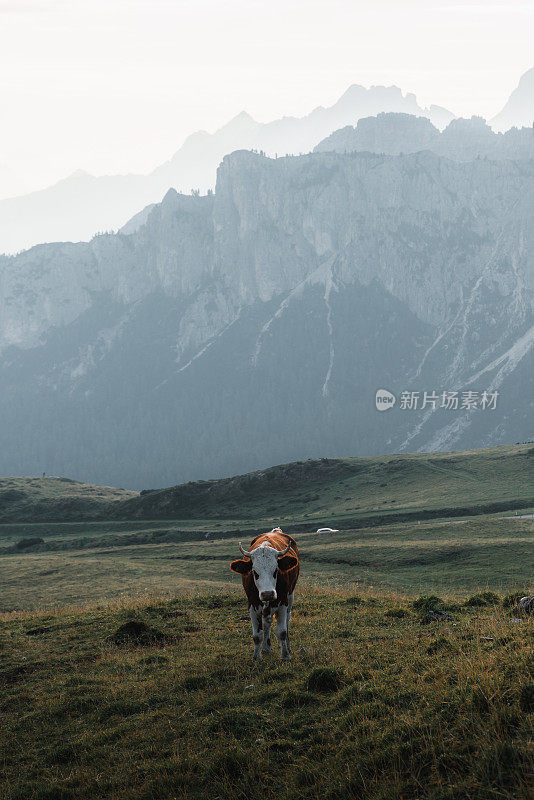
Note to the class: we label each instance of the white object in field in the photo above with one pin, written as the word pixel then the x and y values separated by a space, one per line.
pixel 327 530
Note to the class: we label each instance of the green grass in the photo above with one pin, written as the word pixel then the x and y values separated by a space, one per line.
pixel 56 499
pixel 96 562
pixel 374 704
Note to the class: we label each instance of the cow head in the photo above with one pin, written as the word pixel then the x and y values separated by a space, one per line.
pixel 264 562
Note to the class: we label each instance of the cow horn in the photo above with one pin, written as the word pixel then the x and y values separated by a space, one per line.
pixel 283 552
pixel 245 552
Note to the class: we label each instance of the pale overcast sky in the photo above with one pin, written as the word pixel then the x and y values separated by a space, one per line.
pixel 115 85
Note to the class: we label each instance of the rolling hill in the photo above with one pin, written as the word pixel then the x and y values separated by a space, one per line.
pixel 361 490
pixel 428 484
pixel 56 498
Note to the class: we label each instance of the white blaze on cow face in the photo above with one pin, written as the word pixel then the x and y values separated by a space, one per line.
pixel 265 571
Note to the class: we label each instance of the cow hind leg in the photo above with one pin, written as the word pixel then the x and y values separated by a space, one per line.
pixel 257 633
pixel 282 632
pixel 266 646
pixel 289 609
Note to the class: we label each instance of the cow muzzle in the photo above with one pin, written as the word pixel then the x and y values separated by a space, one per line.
pixel 266 597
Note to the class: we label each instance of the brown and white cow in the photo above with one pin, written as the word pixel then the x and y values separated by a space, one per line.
pixel 269 571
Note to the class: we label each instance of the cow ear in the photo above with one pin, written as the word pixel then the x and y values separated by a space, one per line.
pixel 286 562
pixel 241 566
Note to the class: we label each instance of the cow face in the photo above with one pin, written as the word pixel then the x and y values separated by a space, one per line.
pixel 265 572
pixel 264 564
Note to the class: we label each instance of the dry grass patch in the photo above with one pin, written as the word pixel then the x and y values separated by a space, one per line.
pixel 372 706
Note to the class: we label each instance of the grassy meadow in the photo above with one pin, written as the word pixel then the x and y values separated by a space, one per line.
pixel 381 701
pixel 97 562
pixel 375 704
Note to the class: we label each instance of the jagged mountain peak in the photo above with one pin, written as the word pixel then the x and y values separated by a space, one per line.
pixel 170 196
pixel 461 140
pixel 473 123
pixel 357 95
pixel 241 124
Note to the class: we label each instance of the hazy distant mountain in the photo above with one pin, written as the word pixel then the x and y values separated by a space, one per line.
pixel 461 140
pixel 81 205
pixel 73 209
pixel 291 135
pixel 254 326
pixel 519 110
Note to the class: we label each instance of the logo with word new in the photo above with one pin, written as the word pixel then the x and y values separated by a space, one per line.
pixel 384 400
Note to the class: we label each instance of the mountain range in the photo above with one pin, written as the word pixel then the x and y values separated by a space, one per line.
pixel 81 205
pixel 256 325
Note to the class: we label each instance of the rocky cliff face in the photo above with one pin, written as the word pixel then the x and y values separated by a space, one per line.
pixel 255 326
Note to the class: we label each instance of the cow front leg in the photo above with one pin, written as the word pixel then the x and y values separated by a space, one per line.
pixel 266 646
pixel 257 634
pixel 282 632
